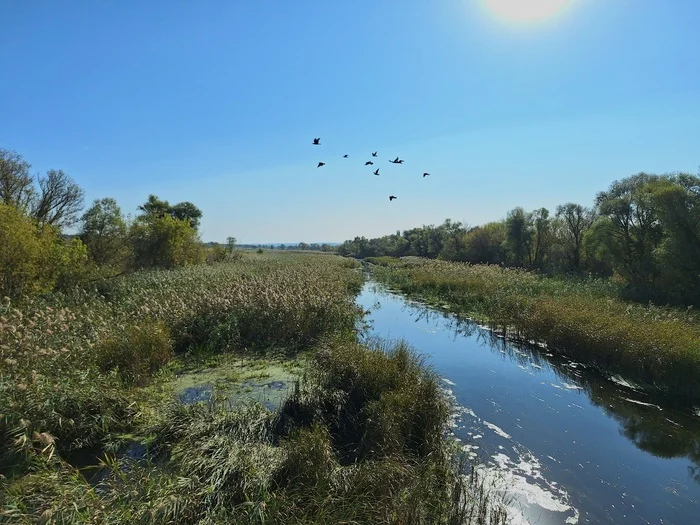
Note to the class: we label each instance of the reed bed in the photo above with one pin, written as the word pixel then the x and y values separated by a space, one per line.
pixel 69 362
pixel 361 440
pixel 656 346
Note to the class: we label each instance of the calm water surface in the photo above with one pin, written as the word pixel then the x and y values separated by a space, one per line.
pixel 566 444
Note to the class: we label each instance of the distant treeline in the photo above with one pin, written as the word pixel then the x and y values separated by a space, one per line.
pixel 36 256
pixel 316 247
pixel 644 230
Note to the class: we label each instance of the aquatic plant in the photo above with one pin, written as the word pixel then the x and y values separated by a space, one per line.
pixel 68 360
pixel 360 441
pixel 583 318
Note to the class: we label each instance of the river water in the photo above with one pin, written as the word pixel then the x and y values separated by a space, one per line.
pixel 565 444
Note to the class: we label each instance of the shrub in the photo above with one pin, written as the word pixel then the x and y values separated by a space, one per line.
pixel 137 352
pixel 165 242
pixel 25 254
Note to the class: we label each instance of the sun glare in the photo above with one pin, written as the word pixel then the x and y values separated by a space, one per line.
pixel 521 11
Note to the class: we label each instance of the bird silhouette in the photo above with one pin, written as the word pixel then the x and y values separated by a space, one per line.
pixel 397 161
pixel 321 164
pixel 426 174
pixel 317 142
pixel 374 154
pixel 369 163
pixel 345 156
pixel 391 198
pixel 376 172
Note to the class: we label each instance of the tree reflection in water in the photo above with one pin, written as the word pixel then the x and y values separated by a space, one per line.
pixel 657 425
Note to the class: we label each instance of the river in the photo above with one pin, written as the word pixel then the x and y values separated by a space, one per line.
pixel 564 443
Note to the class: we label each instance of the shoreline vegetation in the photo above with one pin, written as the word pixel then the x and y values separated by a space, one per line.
pixel 582 318
pixel 362 437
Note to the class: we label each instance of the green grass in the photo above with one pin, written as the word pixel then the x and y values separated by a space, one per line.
pixel 656 346
pixel 361 440
pixel 69 362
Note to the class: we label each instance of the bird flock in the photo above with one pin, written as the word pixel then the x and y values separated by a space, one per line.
pixel 397 160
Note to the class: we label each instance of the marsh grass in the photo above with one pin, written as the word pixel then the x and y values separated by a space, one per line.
pixel 360 441
pixel 69 362
pixel 584 319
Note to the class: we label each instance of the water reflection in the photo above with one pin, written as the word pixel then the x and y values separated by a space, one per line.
pixel 651 423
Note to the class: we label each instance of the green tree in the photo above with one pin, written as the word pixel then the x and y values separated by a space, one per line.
pixel 186 211
pixel 677 203
pixel 576 220
pixel 36 259
pixel 541 243
pixel 631 230
pixel 165 242
pixel 104 232
pixel 484 244
pixel 518 237
pixel 231 244
pixel 155 207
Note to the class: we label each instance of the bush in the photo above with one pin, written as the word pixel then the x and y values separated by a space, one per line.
pixel 25 255
pixel 216 254
pixel 165 242
pixel 137 352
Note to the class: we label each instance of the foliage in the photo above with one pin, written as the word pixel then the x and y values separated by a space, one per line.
pixel 16 183
pixel 104 232
pixel 165 242
pixel 59 200
pixel 184 211
pixel 57 351
pixel 581 317
pixel 217 463
pixel 26 251
pixel 36 259
pixel 54 199
pixel 361 440
pixel 644 230
pixel 137 352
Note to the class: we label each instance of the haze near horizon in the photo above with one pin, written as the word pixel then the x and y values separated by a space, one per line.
pixel 217 103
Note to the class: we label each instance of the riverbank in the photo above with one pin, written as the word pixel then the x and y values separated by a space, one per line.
pixel 656 347
pixel 360 438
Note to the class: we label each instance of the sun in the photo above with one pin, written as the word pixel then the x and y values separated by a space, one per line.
pixel 522 11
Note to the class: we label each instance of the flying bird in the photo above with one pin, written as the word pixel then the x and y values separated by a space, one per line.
pixel 391 198
pixel 321 164
pixel 376 172
pixel 425 174
pixel 345 156
pixel 317 142
pixel 397 161
pixel 374 154
pixel 369 163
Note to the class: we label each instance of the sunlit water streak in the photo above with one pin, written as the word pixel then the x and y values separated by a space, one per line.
pixel 566 444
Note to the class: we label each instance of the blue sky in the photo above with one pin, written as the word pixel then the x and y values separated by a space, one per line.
pixel 217 102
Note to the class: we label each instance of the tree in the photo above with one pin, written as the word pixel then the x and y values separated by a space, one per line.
pixel 576 221
pixel 542 237
pixel 677 203
pixel 634 229
pixel 187 211
pixel 231 244
pixel 59 201
pixel 484 244
pixel 104 232
pixel 165 242
pixel 518 237
pixel 16 184
pixel 155 207
pixel 35 259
